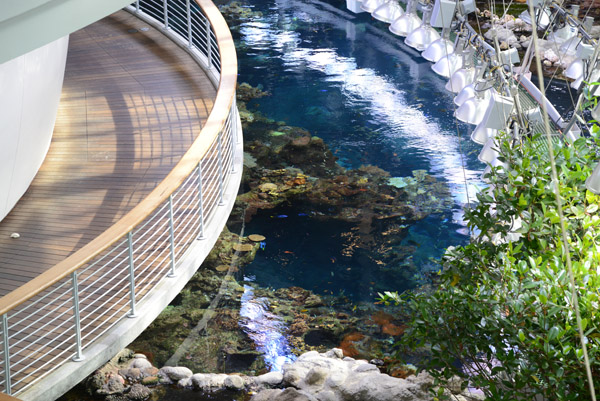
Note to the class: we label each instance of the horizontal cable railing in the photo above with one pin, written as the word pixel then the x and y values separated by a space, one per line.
pixel 55 317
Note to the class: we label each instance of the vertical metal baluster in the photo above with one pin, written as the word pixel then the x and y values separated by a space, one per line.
pixel 208 45
pixel 137 6
pixel 166 12
pixel 232 134
pixel 171 237
pixel 131 275
pixel 7 385
pixel 78 353
pixel 220 159
pixel 189 23
pixel 200 207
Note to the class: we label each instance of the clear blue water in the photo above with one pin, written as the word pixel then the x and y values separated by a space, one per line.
pixel 373 100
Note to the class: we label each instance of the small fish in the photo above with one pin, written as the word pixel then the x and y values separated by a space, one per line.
pixel 323 90
pixel 263 245
pixel 333 259
pixel 362 189
pixel 348 269
pixel 288 252
pixel 372 283
pixel 304 310
pixel 282 216
pixel 302 214
pixel 331 274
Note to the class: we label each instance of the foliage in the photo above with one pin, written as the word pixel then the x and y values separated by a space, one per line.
pixel 503 314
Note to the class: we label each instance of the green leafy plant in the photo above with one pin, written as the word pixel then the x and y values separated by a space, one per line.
pixel 502 316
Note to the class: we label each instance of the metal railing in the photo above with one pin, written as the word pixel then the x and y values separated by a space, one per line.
pixel 55 317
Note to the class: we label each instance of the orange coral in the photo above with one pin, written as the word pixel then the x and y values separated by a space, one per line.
pixel 401 372
pixel 381 318
pixel 347 345
pixel 392 330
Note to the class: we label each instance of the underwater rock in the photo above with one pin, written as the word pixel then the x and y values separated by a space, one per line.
pixel 175 373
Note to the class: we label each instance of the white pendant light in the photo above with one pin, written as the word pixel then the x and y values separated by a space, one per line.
pixel 463 76
pixel 388 12
pixel 576 70
pixel 424 35
pixel 371 5
pixel 408 22
pixel 473 110
pixel 479 84
pixel 481 134
pixel 489 154
pixel 446 66
pixel 439 48
pixel 593 181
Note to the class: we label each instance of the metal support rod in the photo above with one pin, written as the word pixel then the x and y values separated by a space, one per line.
pixel 171 237
pixel 131 275
pixel 200 206
pixel 166 13
pixel 7 385
pixel 137 6
pixel 189 22
pixel 220 160
pixel 78 353
pixel 208 45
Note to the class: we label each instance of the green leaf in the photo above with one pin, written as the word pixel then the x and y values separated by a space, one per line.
pixel 593 208
pixel 553 333
pixel 521 335
pixel 522 200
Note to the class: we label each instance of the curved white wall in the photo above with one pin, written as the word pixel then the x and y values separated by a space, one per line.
pixel 31 87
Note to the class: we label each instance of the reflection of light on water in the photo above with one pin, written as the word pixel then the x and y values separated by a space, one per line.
pixel 265 329
pixel 387 105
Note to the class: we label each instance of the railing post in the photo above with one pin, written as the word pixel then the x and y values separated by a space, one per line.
pixel 189 22
pixel 220 158
pixel 166 13
pixel 78 353
pixel 137 6
pixel 131 275
pixel 200 207
pixel 208 45
pixel 171 237
pixel 7 385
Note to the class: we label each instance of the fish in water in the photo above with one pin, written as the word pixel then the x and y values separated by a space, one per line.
pixel 282 216
pixel 263 245
pixel 333 259
pixel 302 214
pixel 288 252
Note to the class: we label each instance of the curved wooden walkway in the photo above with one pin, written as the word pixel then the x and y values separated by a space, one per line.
pixel 132 104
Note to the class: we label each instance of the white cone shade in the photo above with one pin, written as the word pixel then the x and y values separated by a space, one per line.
pixel 575 70
pixel 446 66
pixel 489 154
pixel 593 181
pixel 460 79
pixel 388 12
pixel 542 17
pixel 438 49
pixel 371 5
pixel 481 134
pixel 473 110
pixel 465 94
pixel 422 37
pixel 570 45
pixel 404 25
pixel 577 83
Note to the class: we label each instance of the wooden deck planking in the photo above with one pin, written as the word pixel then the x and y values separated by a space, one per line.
pixel 132 104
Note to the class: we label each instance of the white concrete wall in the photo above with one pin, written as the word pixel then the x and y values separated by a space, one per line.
pixel 31 87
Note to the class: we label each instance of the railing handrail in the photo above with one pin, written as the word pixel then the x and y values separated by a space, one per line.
pixel 214 123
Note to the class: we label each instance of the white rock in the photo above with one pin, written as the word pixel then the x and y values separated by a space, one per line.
pixel 269 379
pixel 185 383
pixel 139 356
pixel 209 381
pixel 140 363
pixel 234 382
pixel 551 56
pixel 176 373
pixel 548 63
